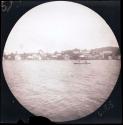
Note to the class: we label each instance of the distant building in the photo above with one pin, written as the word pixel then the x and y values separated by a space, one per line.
pixel 10 56
pixel 85 54
pixel 53 56
pixel 74 54
pixel 30 57
pixel 58 54
pixel 110 57
pixel 82 56
pixel 17 57
pixel 119 57
pixel 76 51
pixel 36 56
pixel 106 54
pixel 66 57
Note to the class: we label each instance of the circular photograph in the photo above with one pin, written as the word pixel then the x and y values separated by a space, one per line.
pixel 61 61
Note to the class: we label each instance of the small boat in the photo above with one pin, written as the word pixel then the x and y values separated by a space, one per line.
pixel 79 62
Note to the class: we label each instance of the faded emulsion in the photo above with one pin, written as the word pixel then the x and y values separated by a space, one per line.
pixel 53 72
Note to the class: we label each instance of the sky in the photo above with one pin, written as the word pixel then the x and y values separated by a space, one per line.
pixel 57 26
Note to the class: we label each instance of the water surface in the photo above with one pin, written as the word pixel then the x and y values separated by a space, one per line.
pixel 61 90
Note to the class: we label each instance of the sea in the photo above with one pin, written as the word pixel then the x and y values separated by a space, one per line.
pixel 59 89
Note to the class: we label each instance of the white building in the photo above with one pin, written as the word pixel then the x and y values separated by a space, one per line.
pixel 17 57
pixel 106 53
pixel 66 57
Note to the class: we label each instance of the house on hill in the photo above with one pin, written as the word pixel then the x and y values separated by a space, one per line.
pixel 106 54
pixel 66 57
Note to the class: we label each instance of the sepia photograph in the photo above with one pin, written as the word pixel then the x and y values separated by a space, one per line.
pixel 61 60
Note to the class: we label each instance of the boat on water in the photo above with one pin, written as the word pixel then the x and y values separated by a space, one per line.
pixel 82 62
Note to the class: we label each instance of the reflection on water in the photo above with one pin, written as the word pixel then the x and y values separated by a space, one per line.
pixel 61 90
